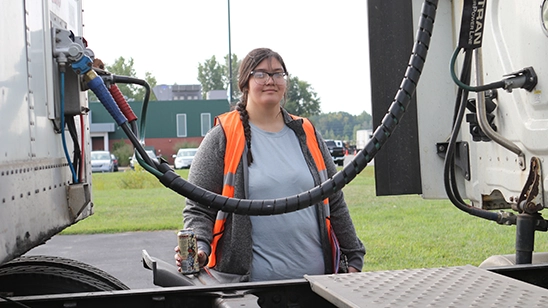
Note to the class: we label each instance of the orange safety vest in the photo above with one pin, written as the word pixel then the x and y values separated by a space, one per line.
pixel 235 144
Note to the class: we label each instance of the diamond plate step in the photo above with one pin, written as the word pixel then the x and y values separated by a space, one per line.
pixel 463 286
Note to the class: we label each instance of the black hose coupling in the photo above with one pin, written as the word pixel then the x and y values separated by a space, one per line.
pixel 525 79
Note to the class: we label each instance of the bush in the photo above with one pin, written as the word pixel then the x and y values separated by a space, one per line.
pixel 123 152
pixel 138 178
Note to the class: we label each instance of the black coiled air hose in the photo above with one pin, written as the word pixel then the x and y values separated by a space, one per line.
pixel 340 179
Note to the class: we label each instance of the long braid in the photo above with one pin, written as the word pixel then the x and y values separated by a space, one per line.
pixel 244 116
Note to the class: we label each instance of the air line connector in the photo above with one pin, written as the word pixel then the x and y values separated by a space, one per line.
pixel 90 75
pixel 96 84
pixel 525 79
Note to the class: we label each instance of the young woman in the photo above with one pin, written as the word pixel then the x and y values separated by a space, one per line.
pixel 259 151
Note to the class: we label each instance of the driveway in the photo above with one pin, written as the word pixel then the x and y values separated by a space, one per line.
pixel 117 254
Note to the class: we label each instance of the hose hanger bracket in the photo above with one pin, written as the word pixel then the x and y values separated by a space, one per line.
pixel 531 198
pixel 461 156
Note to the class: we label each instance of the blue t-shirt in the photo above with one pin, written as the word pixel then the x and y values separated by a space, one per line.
pixel 285 246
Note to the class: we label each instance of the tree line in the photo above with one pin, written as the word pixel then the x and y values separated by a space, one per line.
pixel 301 100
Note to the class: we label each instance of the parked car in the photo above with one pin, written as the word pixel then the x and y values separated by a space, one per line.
pixel 184 158
pixel 101 161
pixel 114 161
pixel 337 152
pixel 133 161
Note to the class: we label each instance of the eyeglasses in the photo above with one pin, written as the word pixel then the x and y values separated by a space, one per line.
pixel 261 77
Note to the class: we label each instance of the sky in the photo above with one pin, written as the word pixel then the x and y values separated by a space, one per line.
pixel 322 42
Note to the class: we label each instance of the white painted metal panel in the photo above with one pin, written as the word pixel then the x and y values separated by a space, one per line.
pixel 14 94
pixel 38 197
pixel 435 95
pixel 511 42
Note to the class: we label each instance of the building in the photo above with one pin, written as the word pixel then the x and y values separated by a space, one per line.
pixel 176 92
pixel 167 124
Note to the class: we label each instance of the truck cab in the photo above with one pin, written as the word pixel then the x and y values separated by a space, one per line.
pixel 336 148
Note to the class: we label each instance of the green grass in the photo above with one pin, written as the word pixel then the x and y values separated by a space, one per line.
pixel 398 231
pixel 131 201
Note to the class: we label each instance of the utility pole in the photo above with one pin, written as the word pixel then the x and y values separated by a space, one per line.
pixel 229 59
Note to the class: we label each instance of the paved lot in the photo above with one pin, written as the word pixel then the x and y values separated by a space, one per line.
pixel 117 254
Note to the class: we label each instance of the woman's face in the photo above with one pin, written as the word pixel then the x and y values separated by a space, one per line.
pixel 265 88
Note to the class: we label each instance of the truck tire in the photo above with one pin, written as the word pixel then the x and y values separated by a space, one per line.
pixel 41 275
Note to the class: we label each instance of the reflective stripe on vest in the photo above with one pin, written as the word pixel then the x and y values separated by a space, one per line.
pixel 235 143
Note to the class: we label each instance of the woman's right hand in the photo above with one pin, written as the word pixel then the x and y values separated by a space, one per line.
pixel 202 258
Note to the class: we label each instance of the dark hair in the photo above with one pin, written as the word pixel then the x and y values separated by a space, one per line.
pixel 249 63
